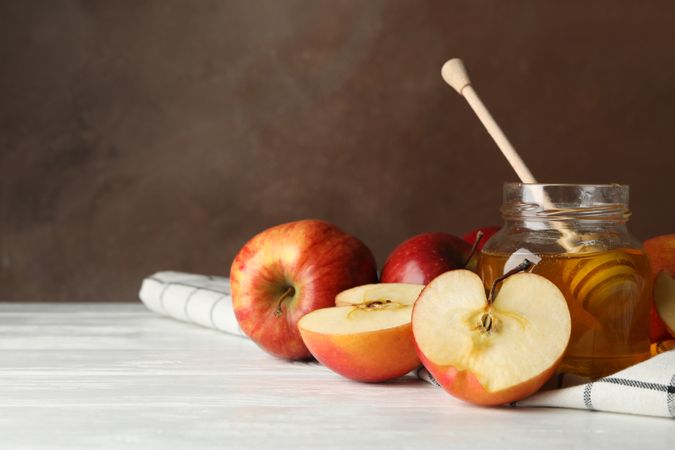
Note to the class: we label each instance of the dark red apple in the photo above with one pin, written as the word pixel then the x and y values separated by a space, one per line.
pixel 290 270
pixel 422 258
pixel 471 236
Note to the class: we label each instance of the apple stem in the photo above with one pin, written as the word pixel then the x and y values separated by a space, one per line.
pixel 474 248
pixel 486 320
pixel 289 292
pixel 523 266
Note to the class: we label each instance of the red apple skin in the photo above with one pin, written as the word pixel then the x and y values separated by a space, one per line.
pixel 658 331
pixel 422 258
pixel 661 253
pixel 488 232
pixel 315 258
pixel 464 385
pixel 370 357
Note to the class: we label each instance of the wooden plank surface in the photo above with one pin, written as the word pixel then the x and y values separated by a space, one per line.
pixel 117 376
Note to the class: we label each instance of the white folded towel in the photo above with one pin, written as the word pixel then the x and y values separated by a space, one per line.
pixel 647 388
pixel 201 299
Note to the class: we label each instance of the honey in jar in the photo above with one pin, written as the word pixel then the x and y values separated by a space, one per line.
pixel 577 236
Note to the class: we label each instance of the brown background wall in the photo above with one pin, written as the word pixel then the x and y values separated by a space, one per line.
pixel 139 136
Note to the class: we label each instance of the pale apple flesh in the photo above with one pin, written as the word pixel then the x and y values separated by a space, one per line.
pixel 664 299
pixel 528 329
pixel 403 293
pixel 369 342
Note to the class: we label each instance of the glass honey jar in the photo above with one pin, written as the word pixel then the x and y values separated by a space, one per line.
pixel 577 236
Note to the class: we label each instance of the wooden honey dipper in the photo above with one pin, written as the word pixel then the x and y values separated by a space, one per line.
pixel 611 273
pixel 454 73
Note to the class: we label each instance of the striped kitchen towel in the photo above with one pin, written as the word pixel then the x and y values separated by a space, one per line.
pixel 647 388
pixel 201 299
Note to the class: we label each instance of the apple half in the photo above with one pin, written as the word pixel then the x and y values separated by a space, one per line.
pixel 664 299
pixel 491 350
pixel 369 338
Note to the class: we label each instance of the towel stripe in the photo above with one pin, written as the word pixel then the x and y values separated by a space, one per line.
pixel 587 396
pixel 187 302
pixel 671 397
pixel 639 384
pixel 213 308
pixel 161 297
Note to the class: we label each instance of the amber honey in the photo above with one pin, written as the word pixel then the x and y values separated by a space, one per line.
pixel 608 294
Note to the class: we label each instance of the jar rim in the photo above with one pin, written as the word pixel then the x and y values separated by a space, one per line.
pixel 565 201
pixel 599 185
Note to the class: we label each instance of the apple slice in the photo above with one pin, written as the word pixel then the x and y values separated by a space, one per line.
pixel 491 350
pixel 368 342
pixel 664 299
pixel 404 293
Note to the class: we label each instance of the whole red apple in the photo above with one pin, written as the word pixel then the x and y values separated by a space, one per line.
pixel 290 270
pixel 661 253
pixel 422 258
pixel 488 232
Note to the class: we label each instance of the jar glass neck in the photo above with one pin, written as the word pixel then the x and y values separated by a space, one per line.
pixel 565 202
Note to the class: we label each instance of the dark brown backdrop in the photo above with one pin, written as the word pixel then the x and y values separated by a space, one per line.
pixel 138 136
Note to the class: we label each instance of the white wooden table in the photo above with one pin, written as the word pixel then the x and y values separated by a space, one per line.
pixel 117 376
